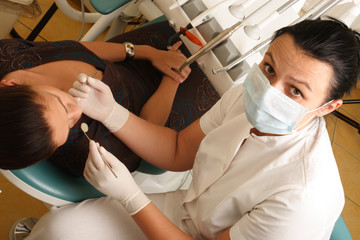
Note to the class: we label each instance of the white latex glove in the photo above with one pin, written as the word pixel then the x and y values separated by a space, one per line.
pixel 96 101
pixel 122 188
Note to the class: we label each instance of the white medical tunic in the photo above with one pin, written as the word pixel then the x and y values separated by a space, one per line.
pixel 271 187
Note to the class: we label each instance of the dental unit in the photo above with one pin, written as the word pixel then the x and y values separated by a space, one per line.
pixel 209 13
pixel 313 14
pixel 238 10
pixel 351 14
pixel 253 31
pixel 229 31
pixel 178 3
pixel 204 17
pixel 235 33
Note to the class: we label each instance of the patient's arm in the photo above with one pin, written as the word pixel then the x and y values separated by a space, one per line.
pixel 165 61
pixel 157 108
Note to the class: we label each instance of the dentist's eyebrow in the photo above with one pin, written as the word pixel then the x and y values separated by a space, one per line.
pixel 305 84
pixel 271 58
pixel 59 102
pixel 292 78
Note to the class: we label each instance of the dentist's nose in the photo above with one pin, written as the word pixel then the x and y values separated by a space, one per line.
pixel 277 83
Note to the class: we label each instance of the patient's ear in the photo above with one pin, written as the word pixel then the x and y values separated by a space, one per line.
pixel 10 82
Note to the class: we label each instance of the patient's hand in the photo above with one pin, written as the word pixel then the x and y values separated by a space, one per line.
pixel 169 61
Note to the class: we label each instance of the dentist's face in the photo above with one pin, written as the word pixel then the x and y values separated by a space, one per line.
pixel 61 111
pixel 299 76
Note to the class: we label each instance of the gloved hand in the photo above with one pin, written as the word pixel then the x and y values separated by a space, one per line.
pixel 96 101
pixel 122 188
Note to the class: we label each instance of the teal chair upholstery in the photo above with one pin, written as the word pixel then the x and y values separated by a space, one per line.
pixel 54 186
pixel 107 6
pixel 52 181
pixel 341 231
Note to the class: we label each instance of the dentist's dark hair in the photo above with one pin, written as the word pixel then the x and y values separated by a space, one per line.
pixel 332 42
pixel 25 135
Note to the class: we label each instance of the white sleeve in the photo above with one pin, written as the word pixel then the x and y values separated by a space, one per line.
pixel 280 218
pixel 215 116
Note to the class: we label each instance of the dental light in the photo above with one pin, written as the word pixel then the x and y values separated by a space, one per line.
pixel 225 35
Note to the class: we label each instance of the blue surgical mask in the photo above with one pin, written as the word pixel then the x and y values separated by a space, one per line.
pixel 268 109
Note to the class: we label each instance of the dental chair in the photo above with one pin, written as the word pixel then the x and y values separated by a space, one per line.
pixel 341 231
pixel 107 11
pixel 51 185
pixel 104 14
pixel 55 187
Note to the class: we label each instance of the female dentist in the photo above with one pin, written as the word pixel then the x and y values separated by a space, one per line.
pixel 262 162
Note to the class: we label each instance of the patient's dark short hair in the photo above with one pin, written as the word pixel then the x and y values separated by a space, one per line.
pixel 332 42
pixel 25 136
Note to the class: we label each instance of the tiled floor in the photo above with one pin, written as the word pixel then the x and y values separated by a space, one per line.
pixel 15 204
pixel 346 146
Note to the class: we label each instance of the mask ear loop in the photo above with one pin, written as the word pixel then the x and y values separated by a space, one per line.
pixel 311 118
pixel 306 122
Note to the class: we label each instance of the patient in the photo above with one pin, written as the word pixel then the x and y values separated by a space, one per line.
pixel 40 120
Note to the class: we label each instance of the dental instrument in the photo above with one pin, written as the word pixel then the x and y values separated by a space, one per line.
pixel 253 31
pixel 314 13
pixel 216 41
pixel 85 128
pixel 190 36
pixel 92 75
pixel 203 17
pixel 351 14
pixel 238 10
pixel 184 31
pixel 209 13
pixel 178 3
pixel 210 45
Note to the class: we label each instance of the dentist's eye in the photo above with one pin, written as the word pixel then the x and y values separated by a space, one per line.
pixel 269 69
pixel 295 92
